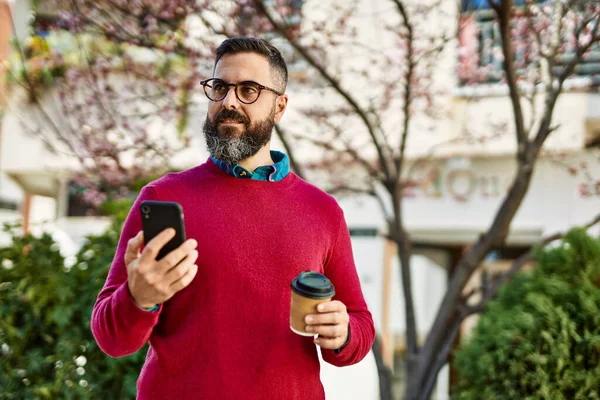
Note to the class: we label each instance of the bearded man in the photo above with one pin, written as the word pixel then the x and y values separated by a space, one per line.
pixel 216 310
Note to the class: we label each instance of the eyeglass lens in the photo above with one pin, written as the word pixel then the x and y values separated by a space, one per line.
pixel 247 92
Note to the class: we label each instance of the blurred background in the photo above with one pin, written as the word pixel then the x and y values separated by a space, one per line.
pixel 461 138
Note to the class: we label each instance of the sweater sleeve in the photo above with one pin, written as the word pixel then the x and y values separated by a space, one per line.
pixel 119 326
pixel 340 269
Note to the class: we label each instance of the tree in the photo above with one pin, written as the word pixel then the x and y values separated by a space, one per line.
pixel 539 338
pixel 569 29
pixel 47 350
pixel 100 102
pixel 367 117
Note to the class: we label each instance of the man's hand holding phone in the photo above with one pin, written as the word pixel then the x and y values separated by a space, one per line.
pixel 153 282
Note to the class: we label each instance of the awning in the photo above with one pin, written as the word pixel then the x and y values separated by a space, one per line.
pixel 40 182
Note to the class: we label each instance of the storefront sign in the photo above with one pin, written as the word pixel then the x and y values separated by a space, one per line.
pixel 461 184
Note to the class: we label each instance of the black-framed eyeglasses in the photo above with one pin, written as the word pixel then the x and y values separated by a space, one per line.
pixel 246 92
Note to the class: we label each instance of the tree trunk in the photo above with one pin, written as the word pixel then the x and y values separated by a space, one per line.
pixel 402 239
pixel 294 164
pixel 448 310
pixel 385 374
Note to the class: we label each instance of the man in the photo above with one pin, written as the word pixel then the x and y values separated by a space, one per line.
pixel 216 310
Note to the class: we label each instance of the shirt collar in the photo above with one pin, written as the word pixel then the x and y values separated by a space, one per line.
pixel 273 173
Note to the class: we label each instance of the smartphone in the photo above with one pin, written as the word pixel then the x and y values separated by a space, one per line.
pixel 158 216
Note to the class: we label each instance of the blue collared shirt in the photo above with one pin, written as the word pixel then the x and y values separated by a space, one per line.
pixel 270 173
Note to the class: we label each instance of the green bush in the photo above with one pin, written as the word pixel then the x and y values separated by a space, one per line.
pixel 540 339
pixel 47 350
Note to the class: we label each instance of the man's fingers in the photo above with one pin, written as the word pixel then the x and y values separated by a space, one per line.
pixel 186 279
pixel 328 331
pixel 153 247
pixel 176 256
pixel 329 343
pixel 331 306
pixel 133 247
pixel 177 272
pixel 330 323
pixel 332 318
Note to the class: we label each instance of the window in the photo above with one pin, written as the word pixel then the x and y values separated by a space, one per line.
pixel 46 19
pixel 472 5
pixel 481 57
pixel 6 204
pixel 42 26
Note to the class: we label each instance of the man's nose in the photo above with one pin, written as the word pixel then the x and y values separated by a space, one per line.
pixel 230 101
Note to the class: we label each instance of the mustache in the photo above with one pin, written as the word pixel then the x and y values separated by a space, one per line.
pixel 230 114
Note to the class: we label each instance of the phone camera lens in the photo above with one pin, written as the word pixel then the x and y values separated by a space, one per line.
pixel 145 209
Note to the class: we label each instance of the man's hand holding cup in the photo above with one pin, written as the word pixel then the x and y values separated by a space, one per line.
pixel 312 312
pixel 331 324
pixel 152 282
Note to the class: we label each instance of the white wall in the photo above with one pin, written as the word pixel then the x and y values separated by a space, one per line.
pixel 21 150
pixel 429 284
pixel 487 113
pixel 356 382
pixel 492 115
pixel 434 209
pixel 552 203
pixel 21 17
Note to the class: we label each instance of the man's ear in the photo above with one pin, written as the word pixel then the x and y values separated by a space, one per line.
pixel 280 107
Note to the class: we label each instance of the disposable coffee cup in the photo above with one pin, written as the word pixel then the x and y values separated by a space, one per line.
pixel 309 289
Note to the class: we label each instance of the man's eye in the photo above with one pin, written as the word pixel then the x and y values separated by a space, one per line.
pixel 248 89
pixel 219 87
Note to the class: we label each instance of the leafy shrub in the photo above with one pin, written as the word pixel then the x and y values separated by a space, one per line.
pixel 540 339
pixel 47 350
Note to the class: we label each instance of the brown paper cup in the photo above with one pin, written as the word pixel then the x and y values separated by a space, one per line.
pixel 300 307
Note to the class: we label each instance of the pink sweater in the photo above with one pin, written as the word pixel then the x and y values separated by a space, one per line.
pixel 227 335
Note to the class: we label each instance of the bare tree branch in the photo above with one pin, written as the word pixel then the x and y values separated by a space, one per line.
pixel 36 132
pixel 33 96
pixel 341 189
pixel 283 136
pixel 383 160
pixel 533 118
pixel 504 10
pixel 385 375
pixel 545 130
pixel 348 149
pixel 407 90
pixel 496 6
pixel 441 358
pixel 401 239
pixel 436 50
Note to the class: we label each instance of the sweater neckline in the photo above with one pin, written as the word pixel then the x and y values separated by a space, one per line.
pixel 214 169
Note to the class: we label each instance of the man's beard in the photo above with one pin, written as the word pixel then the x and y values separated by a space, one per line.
pixel 226 144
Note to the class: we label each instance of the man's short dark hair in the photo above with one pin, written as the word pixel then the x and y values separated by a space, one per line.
pixel 239 45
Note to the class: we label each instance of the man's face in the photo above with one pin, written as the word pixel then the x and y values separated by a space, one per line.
pixel 233 130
